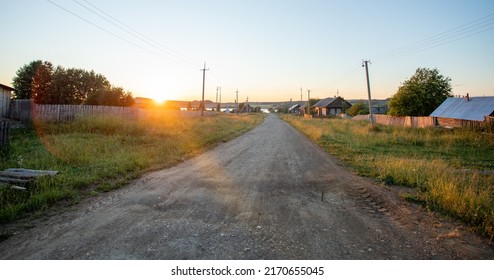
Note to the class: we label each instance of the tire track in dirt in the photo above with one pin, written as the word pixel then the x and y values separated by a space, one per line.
pixel 268 194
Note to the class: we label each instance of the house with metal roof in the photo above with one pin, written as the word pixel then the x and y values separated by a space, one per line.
pixel 456 112
pixel 331 106
pixel 296 109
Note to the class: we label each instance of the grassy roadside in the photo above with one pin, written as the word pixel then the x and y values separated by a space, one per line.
pixel 100 154
pixel 451 170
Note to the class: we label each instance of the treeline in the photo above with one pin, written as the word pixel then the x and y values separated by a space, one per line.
pixel 46 84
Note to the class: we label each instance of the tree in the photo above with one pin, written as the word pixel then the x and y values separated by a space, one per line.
pixel 358 109
pixel 23 80
pixel 41 85
pixel 313 101
pixel 421 94
pixel 115 96
pixel 38 80
pixel 93 82
pixel 77 86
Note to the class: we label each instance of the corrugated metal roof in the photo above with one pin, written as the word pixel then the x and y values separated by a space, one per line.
pixel 324 102
pixel 294 107
pixel 459 108
pixel 7 87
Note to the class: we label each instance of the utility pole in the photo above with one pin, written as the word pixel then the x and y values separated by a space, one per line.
pixel 308 102
pixel 236 101
pixel 217 88
pixel 203 85
pixel 301 98
pixel 364 64
pixel 246 106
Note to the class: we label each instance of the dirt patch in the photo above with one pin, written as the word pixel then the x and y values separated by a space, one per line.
pixel 269 194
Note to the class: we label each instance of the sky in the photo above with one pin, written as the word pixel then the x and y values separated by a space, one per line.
pixel 267 50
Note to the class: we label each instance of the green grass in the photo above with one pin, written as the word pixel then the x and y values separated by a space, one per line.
pixel 100 154
pixel 450 169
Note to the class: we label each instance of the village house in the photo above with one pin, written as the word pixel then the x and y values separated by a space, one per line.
pixel 467 111
pixel 296 109
pixel 331 106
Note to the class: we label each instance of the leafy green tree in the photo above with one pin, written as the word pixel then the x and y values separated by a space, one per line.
pixel 23 80
pixel 421 94
pixel 65 87
pixel 358 109
pixel 77 86
pixel 115 96
pixel 38 80
pixel 313 101
pixel 41 85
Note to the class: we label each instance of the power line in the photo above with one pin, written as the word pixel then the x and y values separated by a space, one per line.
pixel 103 29
pixel 477 26
pixel 114 34
pixel 136 34
pixel 347 75
pixel 469 29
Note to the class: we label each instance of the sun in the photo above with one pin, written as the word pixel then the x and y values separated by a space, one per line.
pixel 159 100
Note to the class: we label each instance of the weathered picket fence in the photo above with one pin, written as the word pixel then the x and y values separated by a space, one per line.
pixel 400 121
pixel 26 110
pixel 4 137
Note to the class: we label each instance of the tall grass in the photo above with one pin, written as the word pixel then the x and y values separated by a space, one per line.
pixel 98 154
pixel 452 170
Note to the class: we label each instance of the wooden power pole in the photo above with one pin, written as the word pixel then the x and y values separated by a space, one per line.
pixel 365 62
pixel 203 85
pixel 236 101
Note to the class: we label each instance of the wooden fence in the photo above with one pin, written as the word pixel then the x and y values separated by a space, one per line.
pixel 489 124
pixel 4 136
pixel 26 110
pixel 4 104
pixel 400 121
pixel 20 109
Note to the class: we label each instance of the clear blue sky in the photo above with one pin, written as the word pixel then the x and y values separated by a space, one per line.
pixel 266 49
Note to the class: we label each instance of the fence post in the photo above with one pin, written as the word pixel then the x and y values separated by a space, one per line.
pixel 4 137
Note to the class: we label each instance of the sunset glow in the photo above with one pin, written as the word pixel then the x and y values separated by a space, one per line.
pixel 267 50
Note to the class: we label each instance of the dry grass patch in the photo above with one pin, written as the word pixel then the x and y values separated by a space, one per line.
pixel 452 170
pixel 99 154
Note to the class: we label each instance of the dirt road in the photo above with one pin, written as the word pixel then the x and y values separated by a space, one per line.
pixel 269 194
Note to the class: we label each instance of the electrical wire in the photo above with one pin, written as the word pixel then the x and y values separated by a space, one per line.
pixel 118 36
pixel 138 35
pixel 466 30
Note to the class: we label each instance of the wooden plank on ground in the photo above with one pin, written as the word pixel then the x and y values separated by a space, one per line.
pixel 21 176
pixel 13 181
pixel 22 172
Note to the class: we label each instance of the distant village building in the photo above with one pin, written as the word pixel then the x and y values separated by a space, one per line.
pixel 467 111
pixel 296 109
pixel 331 106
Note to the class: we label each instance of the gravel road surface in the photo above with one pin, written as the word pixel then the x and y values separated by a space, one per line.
pixel 269 194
